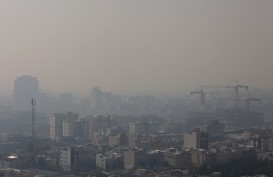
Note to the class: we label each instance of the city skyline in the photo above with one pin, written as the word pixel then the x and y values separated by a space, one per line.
pixel 8 90
pixel 136 88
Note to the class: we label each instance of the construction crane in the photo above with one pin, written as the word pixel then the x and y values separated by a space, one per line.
pixel 236 90
pixel 248 100
pixel 33 132
pixel 236 87
pixel 202 95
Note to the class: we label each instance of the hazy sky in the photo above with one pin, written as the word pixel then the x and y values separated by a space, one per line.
pixel 140 45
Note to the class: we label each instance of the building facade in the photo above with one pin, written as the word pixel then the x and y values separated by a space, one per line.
pixel 61 125
pixel 196 140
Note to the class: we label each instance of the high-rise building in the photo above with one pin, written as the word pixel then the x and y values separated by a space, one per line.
pixel 99 123
pixel 56 126
pixel 81 130
pixel 132 134
pixel 61 125
pixel 100 101
pixel 25 88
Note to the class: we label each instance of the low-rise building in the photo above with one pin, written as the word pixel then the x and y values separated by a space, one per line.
pixel 129 159
pixel 178 159
pixel 9 162
pixel 228 154
pixel 109 161
pixel 67 158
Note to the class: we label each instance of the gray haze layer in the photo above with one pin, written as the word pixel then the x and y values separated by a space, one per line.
pixel 136 46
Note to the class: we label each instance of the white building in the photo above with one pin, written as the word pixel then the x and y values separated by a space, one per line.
pixel 66 158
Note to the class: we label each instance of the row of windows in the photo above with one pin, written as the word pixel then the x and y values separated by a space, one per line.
pixel 63 157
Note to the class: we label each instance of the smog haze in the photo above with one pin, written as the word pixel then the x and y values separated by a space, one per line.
pixel 136 46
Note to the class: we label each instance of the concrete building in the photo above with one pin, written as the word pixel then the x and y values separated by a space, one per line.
pixel 61 125
pixel 129 159
pixel 146 126
pixel 67 158
pixel 109 161
pixel 56 126
pixel 196 140
pixel 132 136
pixel 25 88
pixel 9 162
pixel 68 127
pixel 114 140
pixel 228 154
pixel 178 159
pixel 198 157
pixel 116 136
pixel 215 130
pixel 84 157
pixel 99 123
pixel 81 130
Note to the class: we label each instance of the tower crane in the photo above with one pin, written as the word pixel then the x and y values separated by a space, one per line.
pixel 247 101
pixel 202 95
pixel 33 122
pixel 236 90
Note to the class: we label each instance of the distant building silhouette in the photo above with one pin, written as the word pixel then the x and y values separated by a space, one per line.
pixel 100 101
pixel 65 102
pixel 25 88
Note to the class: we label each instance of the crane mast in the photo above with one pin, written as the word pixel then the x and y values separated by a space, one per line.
pixel 202 95
pixel 235 87
pixel 33 122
